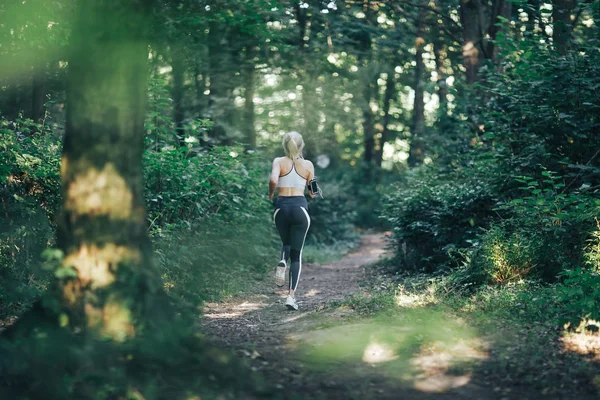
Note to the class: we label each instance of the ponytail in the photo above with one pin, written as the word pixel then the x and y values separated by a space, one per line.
pixel 293 144
pixel 292 148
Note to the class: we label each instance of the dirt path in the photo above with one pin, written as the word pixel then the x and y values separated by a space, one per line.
pixel 323 352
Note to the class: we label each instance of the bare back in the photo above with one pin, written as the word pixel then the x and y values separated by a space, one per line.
pixel 284 165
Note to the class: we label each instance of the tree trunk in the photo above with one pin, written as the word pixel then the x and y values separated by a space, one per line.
pixel 219 63
pixel 390 91
pixel 14 100
pixel 561 28
pixel 107 282
pixel 178 65
pixel 38 95
pixel 472 38
pixel 249 99
pixel 442 85
pixel 368 129
pixel 501 8
pixel 199 86
pixel 416 155
pixel 305 75
pixel 370 90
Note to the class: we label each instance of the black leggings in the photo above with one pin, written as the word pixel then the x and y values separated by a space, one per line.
pixel 292 221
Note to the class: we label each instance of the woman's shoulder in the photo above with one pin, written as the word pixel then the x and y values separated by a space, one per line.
pixel 307 163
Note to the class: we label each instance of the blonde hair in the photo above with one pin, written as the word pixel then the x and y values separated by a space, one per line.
pixel 293 144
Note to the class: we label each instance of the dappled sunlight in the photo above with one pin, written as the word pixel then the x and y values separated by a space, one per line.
pixel 441 384
pixel 583 343
pixel 212 311
pixel 312 293
pixel 407 299
pixel 436 361
pixel 296 317
pixel 378 352
pixel 96 265
pixel 96 193
pixel 224 315
pixel 376 252
pixel 245 307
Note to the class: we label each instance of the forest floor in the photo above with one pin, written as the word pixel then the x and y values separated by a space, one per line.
pixel 329 349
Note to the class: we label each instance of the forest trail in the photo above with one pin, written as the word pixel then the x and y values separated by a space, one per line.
pixel 319 351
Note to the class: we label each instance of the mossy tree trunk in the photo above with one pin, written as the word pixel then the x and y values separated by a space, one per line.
pixel 107 278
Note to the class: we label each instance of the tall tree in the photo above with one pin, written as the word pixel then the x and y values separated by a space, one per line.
pixel 562 24
pixel 470 15
pixel 370 77
pixel 501 10
pixel 417 143
pixel 107 283
pixel 38 94
pixel 250 78
pixel 388 95
pixel 178 91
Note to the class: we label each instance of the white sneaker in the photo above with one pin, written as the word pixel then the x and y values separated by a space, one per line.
pixel 280 273
pixel 291 304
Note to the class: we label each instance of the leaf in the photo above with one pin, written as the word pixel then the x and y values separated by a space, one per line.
pixel 64 272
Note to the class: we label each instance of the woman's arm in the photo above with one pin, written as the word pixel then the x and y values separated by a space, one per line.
pixel 274 178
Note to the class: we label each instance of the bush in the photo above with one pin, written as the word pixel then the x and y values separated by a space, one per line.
pixel 29 176
pixel 435 212
pixel 542 233
pixel 211 220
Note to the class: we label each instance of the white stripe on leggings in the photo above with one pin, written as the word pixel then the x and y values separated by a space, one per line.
pixel 275 215
pixel 302 248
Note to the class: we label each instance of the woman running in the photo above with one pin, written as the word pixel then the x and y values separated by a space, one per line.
pixel 290 175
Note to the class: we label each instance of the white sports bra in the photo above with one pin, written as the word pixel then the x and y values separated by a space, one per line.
pixel 292 179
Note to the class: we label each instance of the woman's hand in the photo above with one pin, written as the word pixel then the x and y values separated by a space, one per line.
pixel 311 194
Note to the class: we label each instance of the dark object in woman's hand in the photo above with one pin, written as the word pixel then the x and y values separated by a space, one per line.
pixel 314 187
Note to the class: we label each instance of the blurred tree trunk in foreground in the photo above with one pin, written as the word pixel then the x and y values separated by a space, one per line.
pixel 106 280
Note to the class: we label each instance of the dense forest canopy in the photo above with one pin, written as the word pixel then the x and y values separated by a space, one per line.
pixel 136 139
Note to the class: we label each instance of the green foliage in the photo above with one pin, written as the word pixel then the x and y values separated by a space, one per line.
pixel 518 199
pixel 29 200
pixel 543 231
pixel 210 219
pixel 333 217
pixel 580 294
pixel 170 362
pixel 580 288
pixel 436 211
